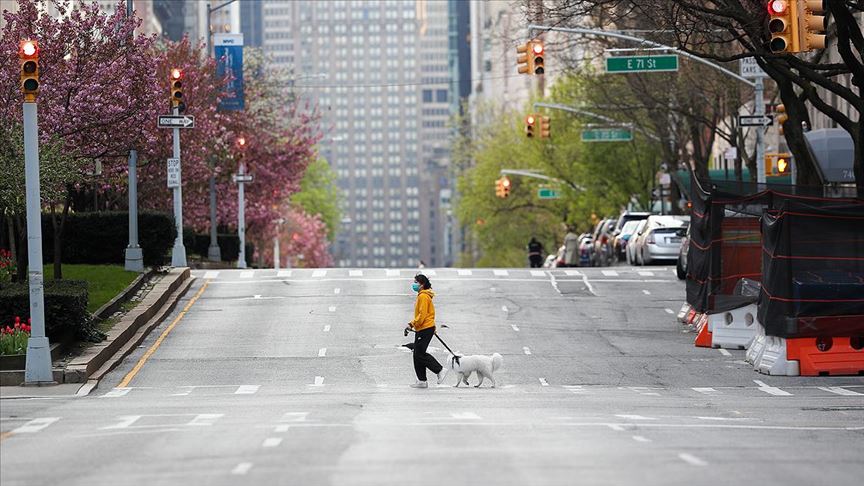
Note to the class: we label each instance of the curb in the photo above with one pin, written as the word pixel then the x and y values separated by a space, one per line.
pixel 114 304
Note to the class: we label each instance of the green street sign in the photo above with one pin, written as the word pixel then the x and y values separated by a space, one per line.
pixel 642 64
pixel 607 135
pixel 547 193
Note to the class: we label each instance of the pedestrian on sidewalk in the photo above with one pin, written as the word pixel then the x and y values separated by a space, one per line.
pixel 424 329
pixel 535 253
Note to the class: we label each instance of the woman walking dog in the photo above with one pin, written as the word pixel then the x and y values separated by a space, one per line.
pixel 424 328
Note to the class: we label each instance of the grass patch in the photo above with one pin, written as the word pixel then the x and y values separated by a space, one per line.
pixel 105 281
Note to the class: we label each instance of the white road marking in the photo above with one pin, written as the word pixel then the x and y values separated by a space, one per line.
pixel 500 273
pixel 271 442
pixel 211 274
pixel 322 352
pixel 327 328
pixel 526 350
pixel 543 381
pixel 332 308
pixel 392 273
pixel 515 327
pixel 281 428
pixel 183 393
pixel 125 422
pixel 247 274
pixel 840 391
pixel 465 416
pixel 117 392
pixel 705 390
pixel 35 425
pixel 205 419
pixel 504 308
pixel 574 388
pixel 337 291
pixel 609 273
pixel 771 390
pixel 464 273
pixel 355 273
pixel 428 271
pixel 241 469
pixel 724 352
pixel 722 419
pixel 247 389
pixel 284 273
pixel 493 289
pixel 691 459
pixel 538 273
pixel 639 438
pixel 669 311
pixel 319 273
pixel 646 292
pixel 644 273
pixel 634 417
pixel 319 381
pixel 294 416
pixel 256 296
pixel 572 273
pixel 616 427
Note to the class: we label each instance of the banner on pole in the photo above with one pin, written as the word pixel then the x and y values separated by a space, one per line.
pixel 228 50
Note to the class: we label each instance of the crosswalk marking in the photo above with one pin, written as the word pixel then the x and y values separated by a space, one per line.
pixel 205 419
pixel 247 274
pixel 639 438
pixel 271 442
pixel 691 459
pixel 724 352
pixel 500 273
pixel 35 425
pixel 428 271
pixel 355 273
pixel 319 273
pixel 837 390
pixel 392 273
pixel 573 273
pixel 211 274
pixel 538 273
pixel 125 422
pixel 294 417
pixel 465 416
pixel 284 273
pixel 646 274
pixel 117 392
pixel 332 308
pixel 337 291
pixel 771 390
pixel 609 273
pixel 242 468
pixel 322 352
pixel 634 417
pixel 705 390
pixel 327 328
pixel 319 381
pixel 463 272
pixel 247 389
pixel 646 292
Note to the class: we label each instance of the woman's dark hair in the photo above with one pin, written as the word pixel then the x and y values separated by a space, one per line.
pixel 423 280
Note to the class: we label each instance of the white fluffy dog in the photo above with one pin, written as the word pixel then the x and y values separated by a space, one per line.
pixel 484 366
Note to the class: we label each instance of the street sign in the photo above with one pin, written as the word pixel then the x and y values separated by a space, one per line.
pixel 242 178
pixel 642 64
pixel 173 173
pixel 176 121
pixel 731 153
pixel 548 193
pixel 749 68
pixel 755 120
pixel 607 135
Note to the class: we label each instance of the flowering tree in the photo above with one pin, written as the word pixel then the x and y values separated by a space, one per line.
pixel 97 93
pixel 303 237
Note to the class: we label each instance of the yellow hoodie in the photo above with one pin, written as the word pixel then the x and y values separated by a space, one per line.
pixel 424 311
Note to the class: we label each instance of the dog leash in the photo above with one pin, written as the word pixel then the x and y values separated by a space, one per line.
pixel 455 356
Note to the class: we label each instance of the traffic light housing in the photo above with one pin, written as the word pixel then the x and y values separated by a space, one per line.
pixel 505 186
pixel 778 164
pixel 781 117
pixel 812 24
pixel 176 80
pixel 530 59
pixel 28 56
pixel 530 124
pixel 783 26
pixel 537 52
pixel 544 127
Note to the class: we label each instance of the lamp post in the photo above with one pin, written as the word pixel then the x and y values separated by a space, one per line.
pixel 134 255
pixel 276 256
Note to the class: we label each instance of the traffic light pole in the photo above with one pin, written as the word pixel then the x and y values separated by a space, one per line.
pixel 38 362
pixel 178 253
pixel 241 216
pixel 760 132
pixel 134 255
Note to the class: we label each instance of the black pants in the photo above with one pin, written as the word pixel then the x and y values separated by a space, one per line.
pixel 536 261
pixel 422 359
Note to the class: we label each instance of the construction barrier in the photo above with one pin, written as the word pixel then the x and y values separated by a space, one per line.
pixel 733 329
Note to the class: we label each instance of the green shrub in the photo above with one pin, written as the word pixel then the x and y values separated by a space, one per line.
pixel 102 237
pixel 229 245
pixel 66 316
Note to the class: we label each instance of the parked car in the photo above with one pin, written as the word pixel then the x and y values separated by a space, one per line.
pixel 660 239
pixel 681 267
pixel 632 243
pixel 601 255
pixel 627 216
pixel 619 243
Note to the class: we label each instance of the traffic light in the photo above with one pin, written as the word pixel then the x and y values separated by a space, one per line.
pixel 530 59
pixel 544 127
pixel 812 24
pixel 530 121
pixel 778 164
pixel 781 117
pixel 505 186
pixel 28 55
pixel 176 79
pixel 499 188
pixel 783 25
pixel 782 165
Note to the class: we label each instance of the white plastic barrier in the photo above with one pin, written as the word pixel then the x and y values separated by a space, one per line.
pixel 757 347
pixel 773 359
pixel 734 329
pixel 682 314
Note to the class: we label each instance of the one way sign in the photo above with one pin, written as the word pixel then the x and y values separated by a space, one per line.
pixel 755 120
pixel 176 121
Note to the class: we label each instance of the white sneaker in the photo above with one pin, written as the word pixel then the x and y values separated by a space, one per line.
pixel 420 384
pixel 442 374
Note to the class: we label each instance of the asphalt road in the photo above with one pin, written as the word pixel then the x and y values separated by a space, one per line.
pixel 298 378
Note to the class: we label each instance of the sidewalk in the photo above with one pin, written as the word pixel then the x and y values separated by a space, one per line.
pixel 65 390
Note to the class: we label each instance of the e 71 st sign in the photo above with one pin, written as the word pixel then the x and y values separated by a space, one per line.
pixel 642 64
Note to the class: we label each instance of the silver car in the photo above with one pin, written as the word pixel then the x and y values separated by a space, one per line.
pixel 660 239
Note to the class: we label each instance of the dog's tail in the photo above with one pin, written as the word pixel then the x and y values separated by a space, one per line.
pixel 497 361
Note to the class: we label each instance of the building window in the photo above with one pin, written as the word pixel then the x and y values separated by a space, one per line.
pixel 427 96
pixel 441 96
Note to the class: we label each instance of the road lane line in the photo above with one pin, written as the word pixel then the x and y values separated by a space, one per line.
pixel 281 428
pixel 691 459
pixel 616 427
pixel 609 273
pixel 294 417
pixel 319 273
pixel 35 425
pixel 241 469
pixel 588 285
pixel 247 274
pixel 515 327
pixel 332 308
pixel 247 389
pixel 205 419
pixel 271 442
pixel 526 350
pixel 322 352
pixel 355 273
pixel 771 390
pixel 392 273
pixel 724 352
pixel 840 391
pixel 465 416
pixel 319 381
pixel 143 360
pixel 543 381
pixel 117 392
pixel 634 417
pixel 500 273
pixel 327 328
pixel 639 438
pixel 669 311
pixel 646 292
pixel 337 291
pixel 256 296
pixel 646 274
pixel 538 273
pixel 464 273
pixel 211 274
pixel 705 390
pixel 504 308
pixel 284 273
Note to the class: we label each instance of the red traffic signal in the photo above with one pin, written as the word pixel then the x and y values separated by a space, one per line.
pixel 176 80
pixel 28 56
pixel 530 121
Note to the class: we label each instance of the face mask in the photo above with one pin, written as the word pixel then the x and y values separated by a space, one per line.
pixel 415 286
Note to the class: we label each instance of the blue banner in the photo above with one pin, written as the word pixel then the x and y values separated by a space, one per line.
pixel 228 50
